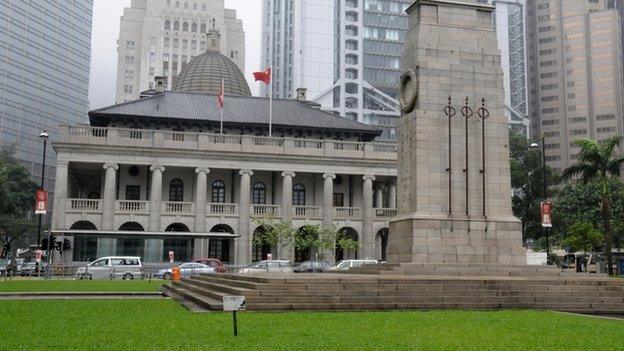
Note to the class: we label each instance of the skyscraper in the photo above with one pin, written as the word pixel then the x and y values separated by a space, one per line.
pixel 345 52
pixel 45 52
pixel 575 72
pixel 160 37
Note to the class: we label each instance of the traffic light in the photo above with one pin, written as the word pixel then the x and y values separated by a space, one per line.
pixel 47 243
pixel 58 245
pixel 66 244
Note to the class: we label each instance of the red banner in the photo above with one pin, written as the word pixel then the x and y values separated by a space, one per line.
pixel 41 201
pixel 546 209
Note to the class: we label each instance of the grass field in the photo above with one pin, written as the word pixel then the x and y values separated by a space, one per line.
pixel 164 325
pixel 79 285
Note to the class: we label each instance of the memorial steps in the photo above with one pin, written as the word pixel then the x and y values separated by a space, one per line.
pixel 368 292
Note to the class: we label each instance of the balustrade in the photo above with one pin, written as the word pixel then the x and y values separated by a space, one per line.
pixel 307 212
pixel 84 205
pixel 265 210
pixel 385 213
pixel 222 209
pixel 131 206
pixel 347 212
pixel 169 207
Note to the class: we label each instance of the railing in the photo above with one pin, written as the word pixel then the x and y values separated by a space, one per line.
pixel 132 206
pixel 307 212
pixel 347 212
pixel 265 210
pixel 385 213
pixel 83 205
pixel 222 209
pixel 228 143
pixel 177 207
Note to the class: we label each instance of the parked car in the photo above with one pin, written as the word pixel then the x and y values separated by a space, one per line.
pixel 112 267
pixel 348 264
pixel 312 267
pixel 186 270
pixel 212 262
pixel 8 266
pixel 30 268
pixel 269 266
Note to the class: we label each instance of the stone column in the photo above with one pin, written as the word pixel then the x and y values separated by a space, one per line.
pixel 108 200
pixel 392 196
pixel 200 199
pixel 368 213
pixel 156 198
pixel 328 209
pixel 286 251
pixel 60 196
pixel 243 248
pixel 379 198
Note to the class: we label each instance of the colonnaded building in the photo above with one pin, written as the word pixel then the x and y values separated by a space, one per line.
pixel 155 174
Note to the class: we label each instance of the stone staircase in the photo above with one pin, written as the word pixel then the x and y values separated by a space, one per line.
pixel 332 292
pixel 467 269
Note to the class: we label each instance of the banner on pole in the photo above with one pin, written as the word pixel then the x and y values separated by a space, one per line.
pixel 41 201
pixel 546 209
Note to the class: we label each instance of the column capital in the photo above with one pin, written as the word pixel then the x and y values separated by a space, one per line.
pixel 370 177
pixel 199 170
pixel 111 165
pixel 329 175
pixel 290 174
pixel 157 167
pixel 248 172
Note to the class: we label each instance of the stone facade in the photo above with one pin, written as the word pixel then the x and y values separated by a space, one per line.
pixel 451 51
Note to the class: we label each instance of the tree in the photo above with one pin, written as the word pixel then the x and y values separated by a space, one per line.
pixel 597 162
pixel 583 237
pixel 276 232
pixel 17 196
pixel 527 181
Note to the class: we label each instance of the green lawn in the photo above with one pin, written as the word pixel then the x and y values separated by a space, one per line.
pixel 164 325
pixel 79 285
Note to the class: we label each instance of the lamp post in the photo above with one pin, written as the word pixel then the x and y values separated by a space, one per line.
pixel 544 191
pixel 43 136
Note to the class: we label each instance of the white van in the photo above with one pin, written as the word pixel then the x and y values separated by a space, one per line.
pixel 112 267
pixel 346 264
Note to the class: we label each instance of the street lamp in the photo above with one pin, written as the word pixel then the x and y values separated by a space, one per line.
pixel 544 191
pixel 43 136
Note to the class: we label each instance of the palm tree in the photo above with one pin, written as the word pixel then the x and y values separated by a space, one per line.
pixel 597 162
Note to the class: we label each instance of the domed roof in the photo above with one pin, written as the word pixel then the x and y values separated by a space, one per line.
pixel 205 72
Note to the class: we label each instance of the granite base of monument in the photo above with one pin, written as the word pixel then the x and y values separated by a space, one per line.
pixel 448 240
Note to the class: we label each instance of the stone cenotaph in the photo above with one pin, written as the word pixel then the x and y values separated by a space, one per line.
pixel 453 165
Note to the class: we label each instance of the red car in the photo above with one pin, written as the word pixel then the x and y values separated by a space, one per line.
pixel 212 262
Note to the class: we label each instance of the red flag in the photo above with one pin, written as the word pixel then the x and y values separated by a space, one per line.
pixel 264 76
pixel 221 96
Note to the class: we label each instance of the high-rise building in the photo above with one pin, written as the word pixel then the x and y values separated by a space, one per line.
pixel 510 25
pixel 347 54
pixel 160 37
pixel 575 72
pixel 45 52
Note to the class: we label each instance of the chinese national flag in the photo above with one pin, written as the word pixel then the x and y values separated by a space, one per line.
pixel 221 96
pixel 264 76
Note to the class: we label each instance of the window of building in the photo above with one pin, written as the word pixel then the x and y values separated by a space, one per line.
pixel 193 44
pixel 185 27
pixel 152 57
pixel 299 195
pixel 203 7
pixel 194 27
pixel 203 28
pixel 194 6
pixel 176 190
pixel 133 192
pixel 176 25
pixel 202 45
pixel 259 193
pixel 176 43
pixel 85 248
pixel 167 42
pixel 130 45
pixel 184 44
pixel 218 192
pixel 151 71
pixel 167 24
pixel 153 41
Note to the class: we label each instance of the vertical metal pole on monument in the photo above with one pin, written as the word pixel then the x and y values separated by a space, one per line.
pixel 450 111
pixel 483 113
pixel 466 113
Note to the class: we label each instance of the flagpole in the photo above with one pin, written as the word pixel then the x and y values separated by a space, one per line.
pixel 271 102
pixel 222 105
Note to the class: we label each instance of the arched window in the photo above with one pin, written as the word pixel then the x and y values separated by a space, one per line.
pixel 218 192
pixel 176 25
pixel 167 24
pixel 299 195
pixel 259 193
pixel 203 28
pixel 194 27
pixel 176 190
pixel 185 27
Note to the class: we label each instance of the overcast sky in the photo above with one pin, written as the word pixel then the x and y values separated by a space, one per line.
pixel 106 15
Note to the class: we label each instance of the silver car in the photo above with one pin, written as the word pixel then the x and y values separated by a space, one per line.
pixel 112 267
pixel 269 266
pixel 186 270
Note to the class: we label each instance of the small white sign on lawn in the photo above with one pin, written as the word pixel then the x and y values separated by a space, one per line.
pixel 233 303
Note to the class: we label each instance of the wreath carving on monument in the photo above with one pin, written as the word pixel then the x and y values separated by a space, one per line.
pixel 408 94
